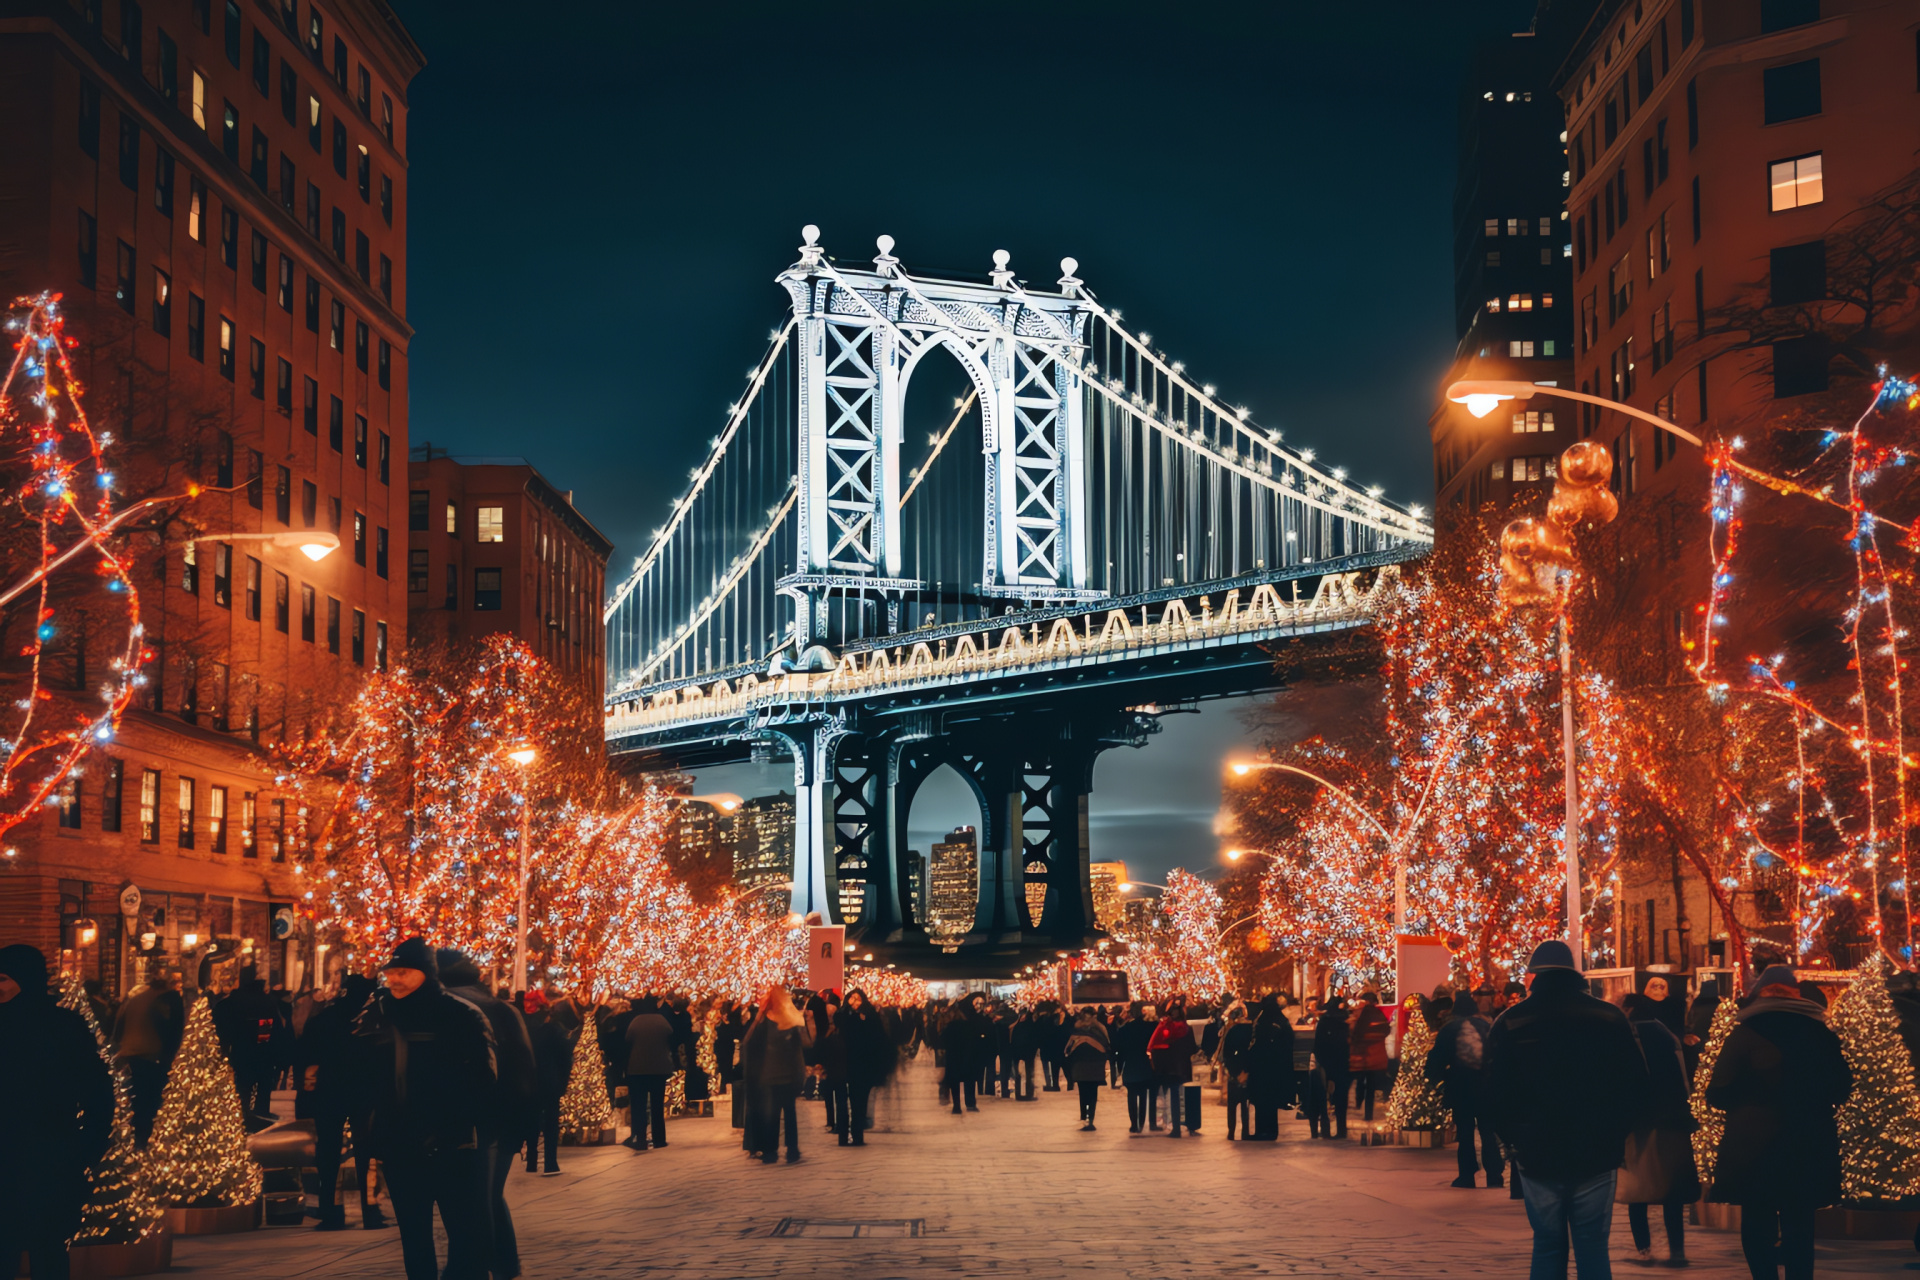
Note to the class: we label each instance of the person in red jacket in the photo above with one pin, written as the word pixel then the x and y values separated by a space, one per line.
pixel 1367 1050
pixel 1172 1048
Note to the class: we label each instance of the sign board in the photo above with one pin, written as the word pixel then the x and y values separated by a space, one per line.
pixel 282 923
pixel 1099 986
pixel 1419 965
pixel 130 900
pixel 826 959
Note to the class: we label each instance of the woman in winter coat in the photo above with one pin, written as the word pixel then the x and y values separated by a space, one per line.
pixel 964 1047
pixel 870 1061
pixel 773 1063
pixel 1332 1049
pixel 1130 1040
pixel 1236 1066
pixel 1172 1048
pixel 1659 1168
pixel 1779 1077
pixel 1087 1050
pixel 552 1068
pixel 1367 1051
pixel 1270 1075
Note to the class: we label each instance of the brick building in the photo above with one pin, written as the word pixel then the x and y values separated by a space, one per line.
pixel 491 546
pixel 219 189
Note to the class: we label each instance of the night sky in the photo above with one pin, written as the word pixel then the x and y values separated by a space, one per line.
pixel 599 206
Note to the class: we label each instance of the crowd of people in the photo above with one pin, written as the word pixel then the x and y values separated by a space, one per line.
pixel 1572 1102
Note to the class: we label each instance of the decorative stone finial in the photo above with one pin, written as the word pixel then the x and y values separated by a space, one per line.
pixel 1000 276
pixel 1069 283
pixel 884 260
pixel 810 250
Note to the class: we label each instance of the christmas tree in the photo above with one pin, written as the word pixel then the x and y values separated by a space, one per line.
pixel 1880 1122
pixel 198 1153
pixel 1713 1121
pixel 120 1208
pixel 584 1108
pixel 1416 1102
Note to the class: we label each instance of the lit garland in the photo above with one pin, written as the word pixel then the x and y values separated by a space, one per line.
pixel 1179 952
pixel 585 1110
pixel 1712 1122
pixel 197 1156
pixel 120 1207
pixel 66 491
pixel 1416 1102
pixel 1880 1121
pixel 887 987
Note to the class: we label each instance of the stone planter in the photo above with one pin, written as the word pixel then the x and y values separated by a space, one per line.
pixel 106 1261
pixel 219 1221
pixel 1842 1223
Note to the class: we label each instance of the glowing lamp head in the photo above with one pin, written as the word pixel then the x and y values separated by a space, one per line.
pixel 1234 855
pixel 189 940
pixel 316 550
pixel 1242 769
pixel 1125 886
pixel 524 754
pixel 1482 403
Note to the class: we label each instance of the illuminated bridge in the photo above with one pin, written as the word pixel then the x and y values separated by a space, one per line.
pixel 1086 537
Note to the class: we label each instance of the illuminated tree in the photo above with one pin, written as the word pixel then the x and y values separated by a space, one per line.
pixel 1880 1121
pixel 120 1206
pixel 1179 952
pixel 1416 1102
pixel 197 1156
pixel 584 1108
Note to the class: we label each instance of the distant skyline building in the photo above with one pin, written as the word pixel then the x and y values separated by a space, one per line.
pixel 1107 878
pixel 763 841
pixel 953 884
pixel 916 870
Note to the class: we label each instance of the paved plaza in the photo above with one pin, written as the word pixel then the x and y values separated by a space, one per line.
pixel 1015 1190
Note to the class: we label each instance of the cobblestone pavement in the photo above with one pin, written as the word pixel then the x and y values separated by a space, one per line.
pixel 1015 1190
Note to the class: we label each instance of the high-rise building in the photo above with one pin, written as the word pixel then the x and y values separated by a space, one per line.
pixel 1107 878
pixel 953 884
pixel 1512 282
pixel 704 839
pixel 492 546
pixel 221 195
pixel 763 841
pixel 916 872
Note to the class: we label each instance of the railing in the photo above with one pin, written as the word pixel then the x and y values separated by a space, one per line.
pixel 1340 601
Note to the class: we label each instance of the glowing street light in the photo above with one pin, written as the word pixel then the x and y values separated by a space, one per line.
pixel 315 544
pixel 1482 397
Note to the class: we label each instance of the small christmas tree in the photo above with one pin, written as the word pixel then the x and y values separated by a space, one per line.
pixel 198 1153
pixel 1416 1102
pixel 1880 1122
pixel 1713 1121
pixel 584 1109
pixel 120 1208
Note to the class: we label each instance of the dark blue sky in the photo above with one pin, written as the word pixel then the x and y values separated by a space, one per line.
pixel 600 197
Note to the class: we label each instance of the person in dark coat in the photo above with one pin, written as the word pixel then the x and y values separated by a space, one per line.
pixel 57 1121
pixel 829 1060
pixel 1562 1090
pixel 726 1043
pixel 1171 1047
pixel 514 1113
pixel 1332 1049
pixel 871 1058
pixel 1779 1077
pixel 1024 1043
pixel 651 1055
pixel 146 1035
pixel 1367 1051
pixel 963 1043
pixel 1458 1062
pixel 1236 1068
pixel 1662 1137
pixel 427 1072
pixel 325 1080
pixel 552 1072
pixel 1052 1035
pixel 1087 1050
pixel 1270 1076
pixel 255 1033
pixel 1130 1040
pixel 773 1060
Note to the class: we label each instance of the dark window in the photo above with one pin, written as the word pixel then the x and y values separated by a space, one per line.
pixel 360 538
pixel 283 387
pixel 1646 167
pixel 163 167
pixel 281 590
pixel 313 305
pixel 358 648
pixel 1660 151
pixel 284 295
pixel 360 443
pixel 417 512
pixel 1693 114
pixel 340 62
pixel 386 117
pixel 289 182
pixel 230 133
pixel 386 199
pixel 380 552
pixel 129 152
pixel 1778 15
pixel 112 783
pixel 1610 117
pixel 1791 91
pixel 289 93
pixel 1799 366
pixel 229 237
pixel 262 61
pixel 256 370
pixel 169 70
pixel 223 575
pixel 340 146
pixel 336 423
pixel 339 234
pixel 360 335
pixel 196 326
pixel 313 210
pixel 417 571
pixel 316 26
pixel 130 25
pixel 253 585
pixel 233 33
pixel 386 278
pixel 162 304
pixel 1643 73
pixel 309 503
pixel 283 496
pixel 1798 273
pixel 384 457
pixel 306 612
pixel 124 267
pixel 1686 23
pixel 256 478
pixel 364 175
pixel 386 364
pixel 333 626
pixel 379 646
pixel 89 250
pixel 362 257
pixel 258 261
pixel 1620 196
pixel 90 118
pixel 223 461
pixel 486 589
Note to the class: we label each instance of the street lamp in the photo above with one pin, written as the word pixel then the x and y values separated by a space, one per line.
pixel 315 544
pixel 522 754
pixel 1482 397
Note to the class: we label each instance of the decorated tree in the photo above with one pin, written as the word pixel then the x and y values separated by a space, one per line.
pixel 1712 1121
pixel 120 1207
pixel 1178 952
pixel 1880 1121
pixel 584 1108
pixel 1416 1102
pixel 57 508
pixel 197 1156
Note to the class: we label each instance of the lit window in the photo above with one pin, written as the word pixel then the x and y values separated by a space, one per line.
pixel 1546 301
pixel 1493 304
pixel 453 518
pixel 1514 226
pixel 491 525
pixel 1522 350
pixel 1493 257
pixel 1493 226
pixel 1546 347
pixel 1546 226
pixel 1499 469
pixel 1796 182
pixel 200 101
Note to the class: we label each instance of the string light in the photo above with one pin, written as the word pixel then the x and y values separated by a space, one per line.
pixel 120 1208
pixel 1879 1122
pixel 197 1156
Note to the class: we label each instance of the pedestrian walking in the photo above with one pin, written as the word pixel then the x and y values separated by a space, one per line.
pixel 1367 1051
pixel 1458 1063
pixel 1086 1051
pixel 871 1061
pixel 57 1121
pixel 326 1083
pixel 512 1113
pixel 1129 1042
pixel 1659 1167
pixel 1053 1039
pixel 1236 1069
pixel 1171 1048
pixel 772 1061
pixel 427 1069
pixel 830 1068
pixel 964 1044
pixel 146 1035
pixel 1779 1077
pixel 1024 1037
pixel 552 1071
pixel 1561 1090
pixel 651 1058
pixel 256 1036
pixel 1271 1075
pixel 1332 1050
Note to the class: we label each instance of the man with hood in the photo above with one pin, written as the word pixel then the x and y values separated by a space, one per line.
pixel 1779 1077
pixel 1458 1061
pixel 427 1073
pixel 324 1082
pixel 514 1113
pixel 254 1031
pixel 1563 1089
pixel 57 1121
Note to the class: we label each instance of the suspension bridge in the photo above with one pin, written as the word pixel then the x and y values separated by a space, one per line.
pixel 1088 538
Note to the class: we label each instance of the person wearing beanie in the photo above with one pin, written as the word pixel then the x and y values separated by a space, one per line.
pixel 325 1093
pixel 1563 1083
pixel 513 1112
pixel 553 1070
pixel 427 1072
pixel 1779 1077
pixel 59 1117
